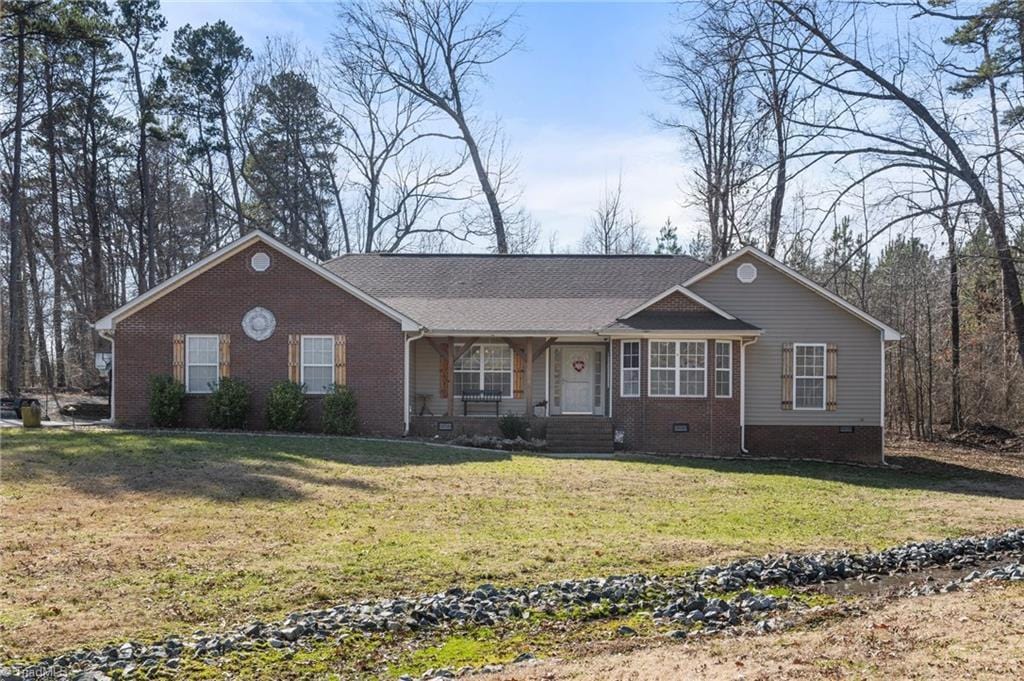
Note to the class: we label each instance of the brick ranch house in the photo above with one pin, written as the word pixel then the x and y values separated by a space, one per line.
pixel 654 353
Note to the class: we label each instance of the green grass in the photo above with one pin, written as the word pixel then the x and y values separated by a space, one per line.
pixel 116 534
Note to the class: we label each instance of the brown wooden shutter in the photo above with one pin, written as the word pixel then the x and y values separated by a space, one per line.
pixel 787 376
pixel 443 384
pixel 831 376
pixel 225 355
pixel 340 361
pixel 178 361
pixel 293 357
pixel 518 372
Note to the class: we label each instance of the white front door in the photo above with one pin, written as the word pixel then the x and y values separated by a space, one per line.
pixel 577 380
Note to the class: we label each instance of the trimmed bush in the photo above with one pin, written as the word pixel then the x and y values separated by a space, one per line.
pixel 165 401
pixel 513 426
pixel 228 405
pixel 286 407
pixel 340 411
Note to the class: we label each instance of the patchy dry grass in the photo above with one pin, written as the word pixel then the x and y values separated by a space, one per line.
pixel 112 534
pixel 963 635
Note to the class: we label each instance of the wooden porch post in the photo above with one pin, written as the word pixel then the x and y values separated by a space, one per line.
pixel 451 376
pixel 529 377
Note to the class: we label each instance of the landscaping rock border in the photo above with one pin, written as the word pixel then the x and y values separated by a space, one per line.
pixel 694 602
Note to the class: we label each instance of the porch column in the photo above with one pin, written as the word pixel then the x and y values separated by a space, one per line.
pixel 529 377
pixel 451 376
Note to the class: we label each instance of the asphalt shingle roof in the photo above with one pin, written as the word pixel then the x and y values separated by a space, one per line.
pixel 515 293
pixel 680 321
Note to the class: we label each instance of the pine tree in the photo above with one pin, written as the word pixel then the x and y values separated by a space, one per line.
pixel 668 240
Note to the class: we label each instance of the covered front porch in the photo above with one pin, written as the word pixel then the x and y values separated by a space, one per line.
pixel 461 384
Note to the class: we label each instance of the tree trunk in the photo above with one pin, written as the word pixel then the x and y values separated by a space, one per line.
pixel 956 408
pixel 485 185
pixel 56 240
pixel 16 281
pixel 39 317
pixel 229 156
pixel 147 218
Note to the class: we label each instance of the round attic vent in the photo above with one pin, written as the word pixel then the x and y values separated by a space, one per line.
pixel 260 261
pixel 746 273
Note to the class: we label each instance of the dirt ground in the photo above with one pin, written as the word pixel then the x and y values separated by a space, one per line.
pixel 977 634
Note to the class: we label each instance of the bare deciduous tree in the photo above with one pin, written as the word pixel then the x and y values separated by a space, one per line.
pixel 437 51
pixel 614 229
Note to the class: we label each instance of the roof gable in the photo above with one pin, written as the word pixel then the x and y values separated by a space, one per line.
pixel 664 302
pixel 109 321
pixel 889 334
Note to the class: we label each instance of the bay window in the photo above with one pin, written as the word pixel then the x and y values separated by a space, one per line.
pixel 678 369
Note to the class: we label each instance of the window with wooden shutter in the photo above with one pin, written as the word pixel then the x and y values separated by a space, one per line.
pixel 340 361
pixel 443 383
pixel 831 377
pixel 518 372
pixel 293 357
pixel 178 358
pixel 225 355
pixel 787 376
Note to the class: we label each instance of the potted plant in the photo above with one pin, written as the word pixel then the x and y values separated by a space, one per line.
pixel 540 409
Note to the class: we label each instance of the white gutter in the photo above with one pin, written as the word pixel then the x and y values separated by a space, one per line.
pixel 407 409
pixel 743 393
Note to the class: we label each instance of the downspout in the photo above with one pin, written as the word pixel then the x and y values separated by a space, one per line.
pixel 406 379
pixel 743 393
pixel 881 416
pixel 109 335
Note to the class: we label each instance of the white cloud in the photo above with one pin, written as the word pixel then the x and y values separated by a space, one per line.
pixel 564 172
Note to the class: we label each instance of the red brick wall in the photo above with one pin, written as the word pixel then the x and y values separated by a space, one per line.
pixel 863 445
pixel 647 421
pixel 302 302
pixel 676 302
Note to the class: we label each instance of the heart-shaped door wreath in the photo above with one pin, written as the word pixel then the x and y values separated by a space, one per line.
pixel 579 365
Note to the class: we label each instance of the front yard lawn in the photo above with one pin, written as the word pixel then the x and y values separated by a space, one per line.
pixel 110 534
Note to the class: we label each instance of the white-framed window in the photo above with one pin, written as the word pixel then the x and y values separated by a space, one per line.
pixel 629 378
pixel 485 367
pixel 202 363
pixel 809 376
pixel 723 368
pixel 678 369
pixel 317 364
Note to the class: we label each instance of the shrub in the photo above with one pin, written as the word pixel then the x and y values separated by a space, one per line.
pixel 513 426
pixel 228 405
pixel 286 407
pixel 165 399
pixel 340 411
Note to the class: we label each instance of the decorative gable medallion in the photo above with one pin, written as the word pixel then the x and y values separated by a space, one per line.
pixel 746 273
pixel 259 323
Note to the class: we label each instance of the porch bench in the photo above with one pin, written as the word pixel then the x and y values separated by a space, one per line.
pixel 481 396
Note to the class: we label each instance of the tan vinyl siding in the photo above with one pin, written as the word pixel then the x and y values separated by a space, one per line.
pixel 789 312
pixel 426 379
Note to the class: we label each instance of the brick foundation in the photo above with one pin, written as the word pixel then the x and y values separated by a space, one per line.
pixel 863 445
pixel 427 426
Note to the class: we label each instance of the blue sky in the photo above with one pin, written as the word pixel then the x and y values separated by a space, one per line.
pixel 573 101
